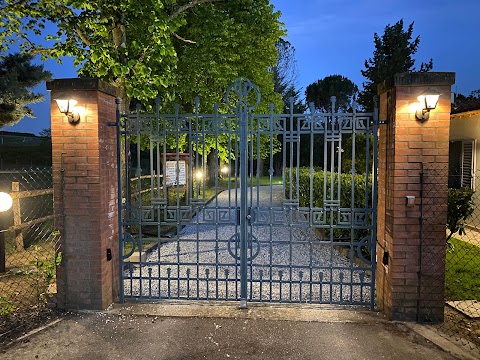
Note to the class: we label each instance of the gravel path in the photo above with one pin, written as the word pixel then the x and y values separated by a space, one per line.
pixel 200 262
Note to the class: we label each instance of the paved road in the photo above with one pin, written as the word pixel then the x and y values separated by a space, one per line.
pixel 343 335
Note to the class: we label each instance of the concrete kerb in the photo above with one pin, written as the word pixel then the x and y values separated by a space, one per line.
pixel 292 312
pixel 450 346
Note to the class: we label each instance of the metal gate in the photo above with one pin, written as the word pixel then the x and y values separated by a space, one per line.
pixel 200 220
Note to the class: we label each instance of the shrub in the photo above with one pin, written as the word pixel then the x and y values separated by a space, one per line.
pixel 323 182
pixel 460 208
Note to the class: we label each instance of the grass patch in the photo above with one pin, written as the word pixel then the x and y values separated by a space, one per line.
pixel 462 281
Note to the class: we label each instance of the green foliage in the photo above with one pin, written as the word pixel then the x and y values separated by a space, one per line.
pixel 462 278
pixel 149 48
pixel 320 92
pixel 48 267
pixel 460 208
pixel 323 182
pixel 393 54
pixel 6 307
pixel 17 77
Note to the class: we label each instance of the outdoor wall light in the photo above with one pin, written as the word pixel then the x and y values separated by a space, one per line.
pixel 199 175
pixel 5 202
pixel 67 107
pixel 428 101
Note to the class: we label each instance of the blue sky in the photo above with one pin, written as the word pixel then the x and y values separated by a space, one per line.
pixel 336 37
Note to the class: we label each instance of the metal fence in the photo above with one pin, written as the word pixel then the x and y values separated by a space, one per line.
pixel 461 316
pixel 29 254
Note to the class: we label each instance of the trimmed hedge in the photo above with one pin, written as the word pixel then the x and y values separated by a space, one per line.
pixel 321 178
pixel 322 182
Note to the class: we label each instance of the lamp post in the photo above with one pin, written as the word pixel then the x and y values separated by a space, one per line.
pixel 5 205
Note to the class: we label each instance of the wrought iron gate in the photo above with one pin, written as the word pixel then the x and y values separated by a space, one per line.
pixel 199 221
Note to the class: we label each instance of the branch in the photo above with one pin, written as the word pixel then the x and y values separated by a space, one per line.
pixel 185 7
pixel 183 39
pixel 34 49
pixel 81 35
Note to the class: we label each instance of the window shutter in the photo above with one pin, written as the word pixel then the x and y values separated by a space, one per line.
pixel 468 153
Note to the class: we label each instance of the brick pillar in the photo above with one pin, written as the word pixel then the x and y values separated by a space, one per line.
pixel 413 161
pixel 85 194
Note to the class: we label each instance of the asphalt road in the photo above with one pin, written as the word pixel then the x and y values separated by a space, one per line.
pixel 122 336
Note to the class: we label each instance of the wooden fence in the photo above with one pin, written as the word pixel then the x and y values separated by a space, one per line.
pixel 18 225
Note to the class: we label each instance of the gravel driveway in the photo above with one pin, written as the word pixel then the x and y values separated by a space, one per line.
pixel 286 263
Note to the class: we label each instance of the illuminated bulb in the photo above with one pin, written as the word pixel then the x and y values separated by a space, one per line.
pixel 5 201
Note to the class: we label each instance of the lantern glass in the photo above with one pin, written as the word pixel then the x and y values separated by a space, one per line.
pixel 429 99
pixel 66 106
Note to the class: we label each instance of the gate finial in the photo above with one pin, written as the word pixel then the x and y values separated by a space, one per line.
pixel 242 87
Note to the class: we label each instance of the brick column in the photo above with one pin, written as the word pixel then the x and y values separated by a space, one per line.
pixel 85 194
pixel 413 161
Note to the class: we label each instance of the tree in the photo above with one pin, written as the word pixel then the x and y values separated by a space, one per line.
pixel 460 98
pixel 17 78
pixel 393 54
pixel 232 39
pixel 127 43
pixel 320 92
pixel 285 77
pixel 285 74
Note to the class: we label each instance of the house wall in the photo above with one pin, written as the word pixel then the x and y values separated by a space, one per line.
pixel 463 127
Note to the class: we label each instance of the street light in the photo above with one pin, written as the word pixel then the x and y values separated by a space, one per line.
pixel 5 205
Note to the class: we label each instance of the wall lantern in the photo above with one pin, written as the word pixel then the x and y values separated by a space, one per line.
pixel 67 107
pixel 428 101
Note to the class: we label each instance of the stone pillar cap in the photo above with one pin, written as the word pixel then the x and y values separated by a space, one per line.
pixel 417 79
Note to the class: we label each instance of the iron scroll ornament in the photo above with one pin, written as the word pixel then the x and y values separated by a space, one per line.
pixel 252 243
pixel 242 87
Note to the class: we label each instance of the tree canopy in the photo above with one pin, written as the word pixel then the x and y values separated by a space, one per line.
pixel 393 54
pixel 17 78
pixel 127 43
pixel 320 92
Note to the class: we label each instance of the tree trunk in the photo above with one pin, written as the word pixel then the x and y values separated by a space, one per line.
pixel 212 165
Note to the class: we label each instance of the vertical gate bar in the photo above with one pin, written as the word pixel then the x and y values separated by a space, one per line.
pixel 373 247
pixel 217 174
pixel 243 207
pixel 270 215
pixel 197 196
pixel 159 191
pixel 138 173
pixel 236 182
pixel 292 150
pixel 310 195
pixel 119 199
pixel 178 127
pixel 352 201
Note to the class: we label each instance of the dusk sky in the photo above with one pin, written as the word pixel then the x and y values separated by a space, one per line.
pixel 336 37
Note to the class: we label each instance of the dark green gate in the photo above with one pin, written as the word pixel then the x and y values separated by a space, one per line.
pixel 201 221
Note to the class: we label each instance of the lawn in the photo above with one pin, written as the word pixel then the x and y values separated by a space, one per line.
pixel 462 280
